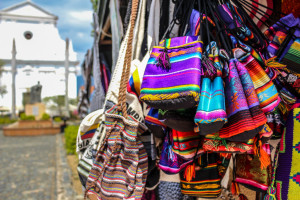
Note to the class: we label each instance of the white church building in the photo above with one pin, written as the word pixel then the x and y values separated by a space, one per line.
pixel 40 53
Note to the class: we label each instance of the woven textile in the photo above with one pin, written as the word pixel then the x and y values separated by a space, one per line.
pixel 120 168
pixel 205 180
pixel 213 143
pixel 152 122
pixel 290 80
pixel 264 87
pixel 292 57
pixel 241 126
pixel 185 144
pixel 169 162
pixel 278 32
pixel 244 33
pixel 169 191
pixel 211 114
pixel 249 173
pixel 288 175
pixel 194 23
pixel 176 86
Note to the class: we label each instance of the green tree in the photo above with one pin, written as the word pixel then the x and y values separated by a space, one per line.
pixel 95 4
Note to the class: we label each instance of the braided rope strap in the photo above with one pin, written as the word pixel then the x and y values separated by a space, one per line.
pixel 127 62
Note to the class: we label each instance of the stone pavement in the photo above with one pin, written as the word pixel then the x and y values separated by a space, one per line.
pixel 34 168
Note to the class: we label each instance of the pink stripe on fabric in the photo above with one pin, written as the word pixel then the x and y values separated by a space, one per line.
pixel 252 183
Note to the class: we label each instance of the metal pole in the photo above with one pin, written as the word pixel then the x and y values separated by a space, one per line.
pixel 67 77
pixel 13 72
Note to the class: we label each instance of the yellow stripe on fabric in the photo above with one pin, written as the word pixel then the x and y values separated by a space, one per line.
pixel 95 126
pixel 294 187
pixel 159 97
pixel 136 81
pixel 175 47
pixel 173 87
pixel 205 181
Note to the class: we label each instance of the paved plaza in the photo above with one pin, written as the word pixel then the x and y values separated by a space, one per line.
pixel 34 168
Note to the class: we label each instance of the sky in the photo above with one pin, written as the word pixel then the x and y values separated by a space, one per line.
pixel 74 20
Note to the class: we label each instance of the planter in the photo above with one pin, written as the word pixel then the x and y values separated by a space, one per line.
pixel 31 128
pixel 35 123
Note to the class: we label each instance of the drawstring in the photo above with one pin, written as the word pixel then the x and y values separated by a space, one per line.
pixel 163 59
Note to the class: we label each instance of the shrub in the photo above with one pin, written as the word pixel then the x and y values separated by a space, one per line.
pixel 45 116
pixel 6 120
pixel 70 138
pixel 27 117
pixel 57 119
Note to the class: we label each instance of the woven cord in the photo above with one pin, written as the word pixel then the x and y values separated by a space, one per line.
pixel 127 62
pixel 271 193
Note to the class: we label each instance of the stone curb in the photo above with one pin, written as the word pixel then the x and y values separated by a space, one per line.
pixel 64 189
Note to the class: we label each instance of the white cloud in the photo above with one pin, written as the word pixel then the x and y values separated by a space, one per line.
pixel 81 35
pixel 81 16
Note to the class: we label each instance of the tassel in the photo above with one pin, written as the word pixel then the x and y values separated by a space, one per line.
pixel 171 154
pixel 163 60
pixel 271 195
pixel 264 157
pixel 190 172
pixel 271 62
pixel 235 189
pixel 242 197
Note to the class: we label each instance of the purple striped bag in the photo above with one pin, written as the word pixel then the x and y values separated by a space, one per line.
pixel 173 74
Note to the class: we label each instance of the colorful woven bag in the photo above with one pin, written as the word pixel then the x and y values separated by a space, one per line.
pixel 250 174
pixel 211 114
pixel 264 87
pixel 120 168
pixel 173 74
pixel 186 144
pixel 201 178
pixel 241 126
pixel 169 162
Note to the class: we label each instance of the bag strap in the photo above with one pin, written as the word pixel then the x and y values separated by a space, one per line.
pixel 271 193
pixel 127 63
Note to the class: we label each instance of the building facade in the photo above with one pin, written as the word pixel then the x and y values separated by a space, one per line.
pixel 40 53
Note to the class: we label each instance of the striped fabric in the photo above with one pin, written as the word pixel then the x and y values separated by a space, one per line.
pixel 264 87
pixel 260 11
pixel 194 22
pixel 120 168
pixel 179 86
pixel 243 123
pixel 292 57
pixel 205 182
pixel 152 122
pixel 89 133
pixel 277 33
pixel 211 114
pixel 185 144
